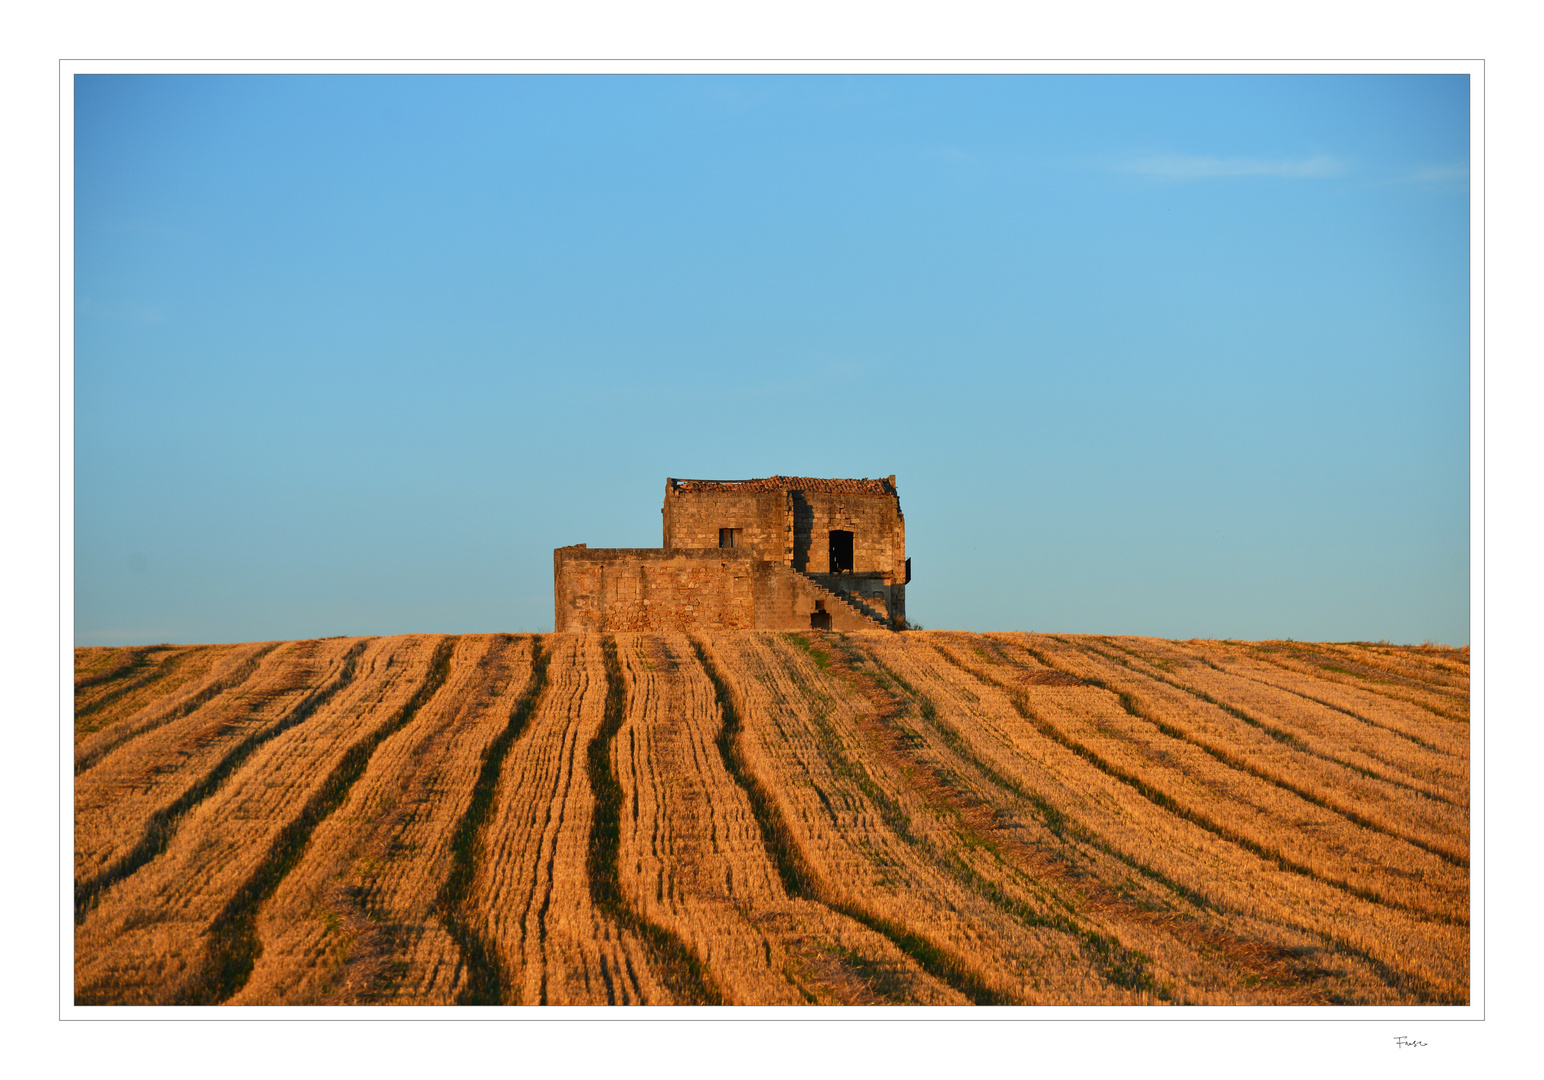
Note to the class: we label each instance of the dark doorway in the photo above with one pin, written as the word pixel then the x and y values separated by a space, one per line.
pixel 841 551
pixel 820 618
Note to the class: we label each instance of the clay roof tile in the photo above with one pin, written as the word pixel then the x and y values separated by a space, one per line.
pixel 833 486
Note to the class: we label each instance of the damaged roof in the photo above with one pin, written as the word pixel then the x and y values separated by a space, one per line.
pixel 822 485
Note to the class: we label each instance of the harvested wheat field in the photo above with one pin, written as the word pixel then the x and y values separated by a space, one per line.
pixel 750 818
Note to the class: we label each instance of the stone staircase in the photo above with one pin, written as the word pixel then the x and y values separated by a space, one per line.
pixel 848 602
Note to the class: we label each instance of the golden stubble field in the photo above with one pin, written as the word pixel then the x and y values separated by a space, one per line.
pixel 926 818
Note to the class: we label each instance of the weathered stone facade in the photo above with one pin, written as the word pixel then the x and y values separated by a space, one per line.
pixel 780 553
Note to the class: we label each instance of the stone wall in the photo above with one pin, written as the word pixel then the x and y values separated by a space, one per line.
pixel 663 589
pixel 652 589
pixel 791 526
pixel 878 532
pixel 693 520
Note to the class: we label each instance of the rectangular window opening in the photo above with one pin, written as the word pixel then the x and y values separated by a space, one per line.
pixel 728 538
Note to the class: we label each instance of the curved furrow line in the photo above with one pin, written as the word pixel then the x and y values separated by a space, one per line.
pixel 802 881
pixel 679 968
pixel 558 806
pixel 485 982
pixel 1280 735
pixel 692 854
pixel 1416 739
pixel 1057 822
pixel 776 837
pixel 1379 668
pixel 356 922
pixel 550 828
pixel 132 731
pixel 233 942
pixel 163 823
pixel 942 963
pixel 133 660
pixel 1166 802
pixel 1380 755
pixel 1363 685
pixel 1446 661
pixel 1134 707
pixel 160 671
pixel 533 897
pixel 1395 978
pixel 1118 964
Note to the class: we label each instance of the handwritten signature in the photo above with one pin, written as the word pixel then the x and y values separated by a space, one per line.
pixel 1400 1040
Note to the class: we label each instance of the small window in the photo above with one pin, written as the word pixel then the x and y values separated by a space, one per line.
pixel 728 538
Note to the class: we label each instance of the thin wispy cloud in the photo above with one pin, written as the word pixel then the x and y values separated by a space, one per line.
pixel 1438 174
pixel 1179 167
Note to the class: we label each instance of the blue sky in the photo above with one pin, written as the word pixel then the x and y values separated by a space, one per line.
pixel 1170 355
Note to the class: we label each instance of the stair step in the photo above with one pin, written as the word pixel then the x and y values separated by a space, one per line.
pixel 851 601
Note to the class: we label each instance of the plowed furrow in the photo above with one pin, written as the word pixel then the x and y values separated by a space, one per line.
pixel 484 981
pixel 163 822
pixel 115 799
pixel 956 780
pixel 825 950
pixel 679 968
pixel 1309 730
pixel 1398 810
pixel 93 667
pixel 1317 693
pixel 144 680
pixel 837 951
pixel 354 922
pixel 148 940
pixel 1427 730
pixel 237 669
pixel 1109 760
pixel 1421 957
pixel 888 855
pixel 1418 707
pixel 759 818
pixel 1405 668
pixel 1145 929
pixel 234 945
pixel 530 897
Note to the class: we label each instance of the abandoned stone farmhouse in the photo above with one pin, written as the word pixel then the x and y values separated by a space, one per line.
pixel 780 553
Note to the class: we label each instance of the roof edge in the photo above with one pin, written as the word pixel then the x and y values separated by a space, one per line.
pixel 827 485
